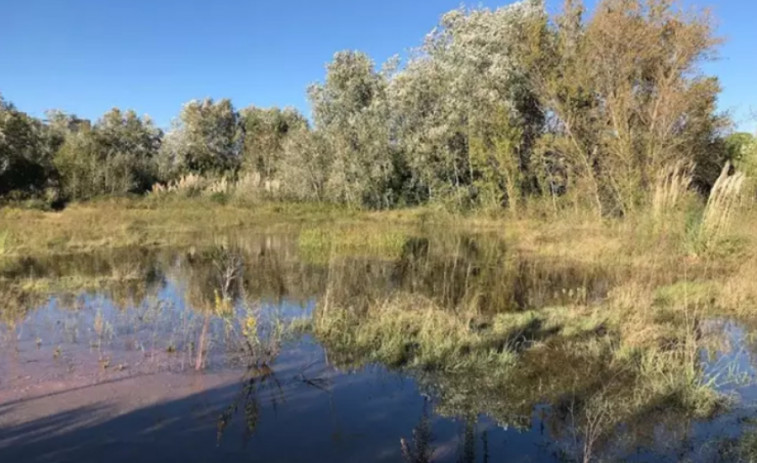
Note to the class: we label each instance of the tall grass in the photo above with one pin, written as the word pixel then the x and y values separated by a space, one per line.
pixel 670 187
pixel 248 187
pixel 5 241
pixel 725 197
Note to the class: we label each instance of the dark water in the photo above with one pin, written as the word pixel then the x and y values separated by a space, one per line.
pixel 128 355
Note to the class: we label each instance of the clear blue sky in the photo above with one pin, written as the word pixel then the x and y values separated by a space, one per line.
pixel 86 56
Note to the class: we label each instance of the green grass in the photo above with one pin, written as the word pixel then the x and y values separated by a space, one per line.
pixel 112 223
pixel 533 357
pixel 318 245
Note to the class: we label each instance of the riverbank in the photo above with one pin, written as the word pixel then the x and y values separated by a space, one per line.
pixel 666 255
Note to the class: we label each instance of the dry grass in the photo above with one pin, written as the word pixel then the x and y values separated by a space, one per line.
pixel 247 189
pixel 724 200
pixel 176 221
pixel 603 355
pixel 671 186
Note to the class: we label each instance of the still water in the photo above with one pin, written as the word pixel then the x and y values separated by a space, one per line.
pixel 204 354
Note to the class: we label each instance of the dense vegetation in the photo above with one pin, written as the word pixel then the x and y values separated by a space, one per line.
pixel 497 109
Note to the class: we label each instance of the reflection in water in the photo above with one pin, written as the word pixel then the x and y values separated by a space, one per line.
pixel 419 449
pixel 452 349
pixel 258 378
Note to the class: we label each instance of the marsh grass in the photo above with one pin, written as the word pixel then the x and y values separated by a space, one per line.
pixel 619 356
pixel 249 189
pixel 5 242
pixel 723 202
pixel 175 221
pixel 742 449
pixel 411 331
pixel 671 187
pixel 319 245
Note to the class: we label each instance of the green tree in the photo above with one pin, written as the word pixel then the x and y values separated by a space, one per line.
pixel 265 131
pixel 626 98
pixel 742 149
pixel 460 97
pixel 26 147
pixel 206 139
pixel 350 113
pixel 116 155
pixel 738 145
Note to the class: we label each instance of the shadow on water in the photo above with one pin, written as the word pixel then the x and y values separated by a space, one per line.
pixel 440 351
pixel 372 416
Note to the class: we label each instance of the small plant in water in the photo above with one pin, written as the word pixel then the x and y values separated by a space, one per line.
pixel 250 328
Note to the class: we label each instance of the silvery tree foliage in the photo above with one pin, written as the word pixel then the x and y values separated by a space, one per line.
pixel 265 132
pixel 206 139
pixel 469 69
pixel 350 112
pixel 116 155
pixel 305 167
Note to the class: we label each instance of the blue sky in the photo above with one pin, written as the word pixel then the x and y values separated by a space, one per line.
pixel 87 56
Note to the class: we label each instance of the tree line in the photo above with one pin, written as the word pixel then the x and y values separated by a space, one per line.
pixel 495 109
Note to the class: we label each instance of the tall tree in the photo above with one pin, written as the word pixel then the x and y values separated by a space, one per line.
pixel 116 155
pixel 350 113
pixel 626 98
pixel 467 86
pixel 206 139
pixel 26 147
pixel 265 132
pixel 306 165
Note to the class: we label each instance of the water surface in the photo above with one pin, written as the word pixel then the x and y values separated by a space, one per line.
pixel 147 355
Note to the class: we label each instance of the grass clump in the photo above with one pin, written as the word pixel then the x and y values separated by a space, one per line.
pixel 5 242
pixel 413 332
pixel 723 201
pixel 318 245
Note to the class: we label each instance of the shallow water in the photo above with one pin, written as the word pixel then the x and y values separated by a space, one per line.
pixel 133 355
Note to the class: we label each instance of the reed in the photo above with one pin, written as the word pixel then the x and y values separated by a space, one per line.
pixel 670 187
pixel 5 242
pixel 725 197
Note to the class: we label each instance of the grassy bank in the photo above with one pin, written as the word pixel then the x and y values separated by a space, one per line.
pixel 657 259
pixel 113 223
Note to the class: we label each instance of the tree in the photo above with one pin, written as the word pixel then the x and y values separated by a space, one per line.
pixel 742 152
pixel 626 99
pixel 306 165
pixel 265 132
pixel 468 86
pixel 350 113
pixel 206 140
pixel 116 155
pixel 738 144
pixel 26 147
